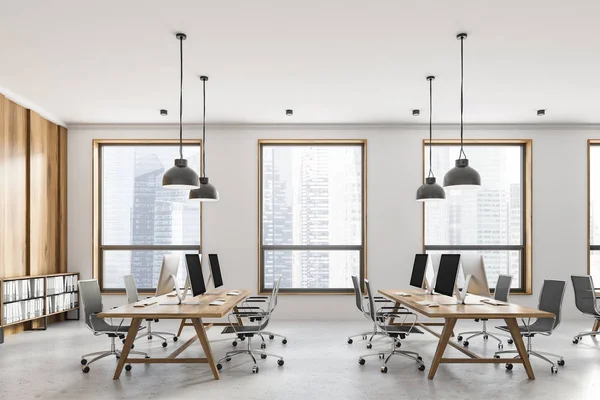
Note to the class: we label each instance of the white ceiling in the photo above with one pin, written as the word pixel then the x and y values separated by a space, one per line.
pixel 333 61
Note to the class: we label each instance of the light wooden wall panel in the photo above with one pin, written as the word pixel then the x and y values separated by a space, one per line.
pixel 44 221
pixel 62 181
pixel 13 189
pixel 13 193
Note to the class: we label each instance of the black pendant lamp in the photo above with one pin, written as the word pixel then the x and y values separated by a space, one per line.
pixel 180 176
pixel 206 191
pixel 430 191
pixel 462 176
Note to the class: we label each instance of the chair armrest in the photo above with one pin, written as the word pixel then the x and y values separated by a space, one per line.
pixel 392 308
pixel 249 300
pixel 381 301
pixel 249 308
pixel 258 297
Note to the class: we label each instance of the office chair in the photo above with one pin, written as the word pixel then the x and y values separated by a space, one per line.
pixel 500 294
pixel 132 297
pixel 249 331
pixel 585 301
pixel 247 308
pixel 551 299
pixel 91 300
pixel 397 331
pixel 359 304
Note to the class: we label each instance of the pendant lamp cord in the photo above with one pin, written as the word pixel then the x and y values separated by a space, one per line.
pixel 430 129
pixel 462 152
pixel 181 98
pixel 203 128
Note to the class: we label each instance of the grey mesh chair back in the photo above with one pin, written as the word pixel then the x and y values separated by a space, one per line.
pixel 274 294
pixel 372 310
pixel 357 293
pixel 585 295
pixel 131 289
pixel 91 299
pixel 502 288
pixel 551 299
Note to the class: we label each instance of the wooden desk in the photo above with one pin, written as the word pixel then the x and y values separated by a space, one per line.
pixel 452 313
pixel 194 312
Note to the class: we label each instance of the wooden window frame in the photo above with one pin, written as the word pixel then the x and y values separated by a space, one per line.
pixel 527 259
pixel 97 247
pixel 363 268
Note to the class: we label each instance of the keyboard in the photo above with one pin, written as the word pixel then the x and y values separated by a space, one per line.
pixel 145 303
pixel 494 302
pixel 403 294
pixel 233 293
pixel 428 303
pixel 217 302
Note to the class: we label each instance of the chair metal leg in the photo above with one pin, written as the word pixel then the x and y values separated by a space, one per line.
pixel 141 353
pixel 469 333
pixel 549 354
pixel 475 335
pixel 93 354
pixel 100 357
pixel 540 356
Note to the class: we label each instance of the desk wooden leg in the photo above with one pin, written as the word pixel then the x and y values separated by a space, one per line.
pixel 201 332
pixel 516 335
pixel 596 327
pixel 441 347
pixel 181 327
pixel 131 334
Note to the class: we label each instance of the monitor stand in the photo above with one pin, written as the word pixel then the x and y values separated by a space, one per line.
pixel 178 294
pixel 460 296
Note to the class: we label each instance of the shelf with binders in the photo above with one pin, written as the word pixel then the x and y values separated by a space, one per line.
pixel 24 299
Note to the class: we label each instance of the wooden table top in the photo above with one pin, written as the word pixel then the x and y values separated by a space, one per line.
pixel 180 311
pixel 475 309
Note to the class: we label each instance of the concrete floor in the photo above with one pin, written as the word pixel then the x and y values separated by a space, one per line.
pixel 319 364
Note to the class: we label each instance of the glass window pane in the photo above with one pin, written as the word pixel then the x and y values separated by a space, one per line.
pixel 312 195
pixel 311 269
pixel 595 195
pixel 595 266
pixel 136 209
pixel 144 265
pixel 490 216
pixel 497 262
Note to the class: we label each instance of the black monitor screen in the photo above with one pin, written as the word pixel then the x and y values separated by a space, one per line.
pixel 195 274
pixel 215 268
pixel 418 271
pixel 446 275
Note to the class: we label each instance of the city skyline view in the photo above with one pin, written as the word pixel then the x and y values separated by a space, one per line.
pixel 311 196
pixel 491 216
pixel 138 211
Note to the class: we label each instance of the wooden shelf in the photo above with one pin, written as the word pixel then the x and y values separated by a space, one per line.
pixel 44 297
pixel 60 312
pixel 20 278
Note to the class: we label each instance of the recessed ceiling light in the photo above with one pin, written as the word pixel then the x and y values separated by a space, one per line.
pixel 416 112
pixel 541 112
pixel 163 112
pixel 289 112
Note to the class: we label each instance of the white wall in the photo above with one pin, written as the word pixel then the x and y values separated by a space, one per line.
pixel 394 217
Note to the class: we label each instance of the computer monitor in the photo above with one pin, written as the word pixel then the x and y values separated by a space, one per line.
pixel 195 275
pixel 215 270
pixel 445 282
pixel 418 271
pixel 170 265
pixel 474 266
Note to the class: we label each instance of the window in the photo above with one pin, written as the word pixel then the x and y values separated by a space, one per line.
pixel 311 215
pixel 594 209
pixel 137 221
pixel 494 221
